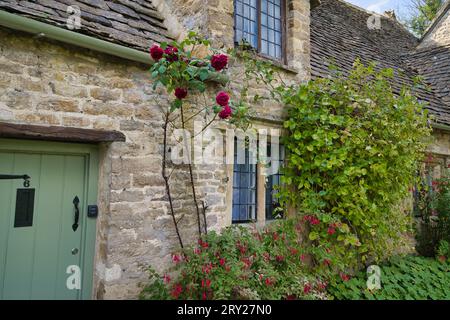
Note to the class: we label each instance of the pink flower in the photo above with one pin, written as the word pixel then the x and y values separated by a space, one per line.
pixel 279 258
pixel 204 296
pixel 268 282
pixel 206 283
pixel 156 52
pixel 222 98
pixel 167 278
pixel 225 113
pixel 322 285
pixel 293 251
pixel 177 290
pixel 176 258
pixel 222 261
pixel 197 251
pixel 307 288
pixel 331 231
pixel 171 53
pixel 303 258
pixel 315 221
pixel 326 262
pixel 345 277
pixel 219 61
pixel 180 93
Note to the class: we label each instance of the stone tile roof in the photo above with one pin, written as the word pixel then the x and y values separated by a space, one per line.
pixel 434 65
pixel 132 23
pixel 340 34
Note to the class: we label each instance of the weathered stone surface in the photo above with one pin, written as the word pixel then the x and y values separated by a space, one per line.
pixel 107 109
pixel 55 104
pixel 131 125
pixel 104 94
pixel 16 99
pixel 68 90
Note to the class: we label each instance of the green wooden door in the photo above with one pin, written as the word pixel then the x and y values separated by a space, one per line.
pixel 38 258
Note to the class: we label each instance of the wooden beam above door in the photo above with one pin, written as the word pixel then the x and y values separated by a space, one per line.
pixel 58 133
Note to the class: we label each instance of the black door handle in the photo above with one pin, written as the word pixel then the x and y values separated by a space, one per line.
pixel 76 202
pixel 26 178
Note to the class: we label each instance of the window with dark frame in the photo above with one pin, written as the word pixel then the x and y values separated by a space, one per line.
pixel 244 187
pixel 260 23
pixel 271 182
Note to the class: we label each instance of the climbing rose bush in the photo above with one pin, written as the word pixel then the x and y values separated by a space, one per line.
pixel 180 72
pixel 240 263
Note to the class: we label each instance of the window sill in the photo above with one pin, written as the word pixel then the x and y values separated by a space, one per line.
pixel 277 63
pixel 274 62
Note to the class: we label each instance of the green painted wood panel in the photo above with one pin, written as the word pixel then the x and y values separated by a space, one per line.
pixel 34 260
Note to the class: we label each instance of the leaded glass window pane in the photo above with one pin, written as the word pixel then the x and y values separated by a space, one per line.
pixel 264 35
pixel 244 187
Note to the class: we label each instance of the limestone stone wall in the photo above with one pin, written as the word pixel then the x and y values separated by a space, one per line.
pixel 440 34
pixel 440 148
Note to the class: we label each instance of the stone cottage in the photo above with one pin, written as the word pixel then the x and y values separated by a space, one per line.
pixel 80 127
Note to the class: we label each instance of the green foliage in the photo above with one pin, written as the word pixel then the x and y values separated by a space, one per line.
pixel 426 11
pixel 443 251
pixel 433 211
pixel 240 263
pixel 354 147
pixel 405 278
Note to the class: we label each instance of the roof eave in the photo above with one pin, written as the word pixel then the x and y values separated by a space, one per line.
pixel 442 11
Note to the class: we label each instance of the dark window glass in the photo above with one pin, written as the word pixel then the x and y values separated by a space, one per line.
pixel 271 183
pixel 244 187
pixel 260 24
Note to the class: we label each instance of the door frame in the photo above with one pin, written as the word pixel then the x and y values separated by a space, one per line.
pixel 89 235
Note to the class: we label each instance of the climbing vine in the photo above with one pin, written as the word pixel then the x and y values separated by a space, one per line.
pixel 184 69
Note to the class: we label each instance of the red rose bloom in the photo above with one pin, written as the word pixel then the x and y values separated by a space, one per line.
pixel 225 113
pixel 180 93
pixel 222 261
pixel 331 231
pixel 219 61
pixel 222 98
pixel 171 53
pixel 279 258
pixel 156 52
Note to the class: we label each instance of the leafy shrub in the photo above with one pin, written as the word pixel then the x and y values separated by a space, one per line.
pixel 443 251
pixel 354 147
pixel 433 210
pixel 407 278
pixel 240 263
